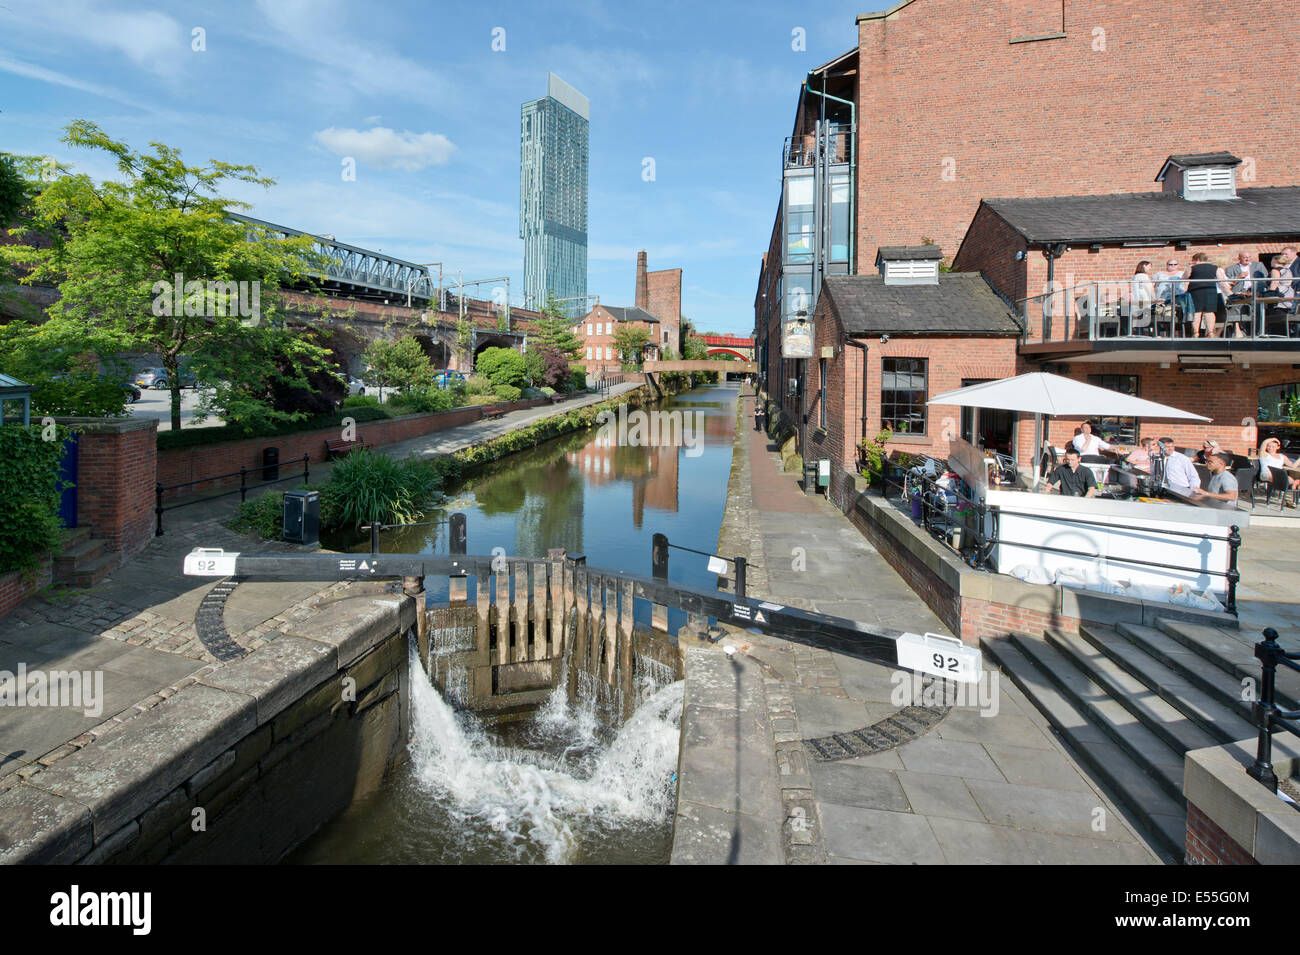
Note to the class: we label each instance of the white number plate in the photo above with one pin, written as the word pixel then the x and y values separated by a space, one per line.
pixel 940 655
pixel 209 562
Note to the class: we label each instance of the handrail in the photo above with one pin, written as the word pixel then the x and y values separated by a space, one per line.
pixel 243 489
pixel 1265 711
pixel 986 542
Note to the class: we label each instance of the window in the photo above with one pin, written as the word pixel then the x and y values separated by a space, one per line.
pixel 588 350
pixel 609 328
pixel 609 353
pixel 589 329
pixel 1279 403
pixel 1117 430
pixel 902 395
pixel 821 398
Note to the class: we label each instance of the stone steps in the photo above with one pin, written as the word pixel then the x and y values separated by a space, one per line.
pixel 1232 653
pixel 1146 796
pixel 84 560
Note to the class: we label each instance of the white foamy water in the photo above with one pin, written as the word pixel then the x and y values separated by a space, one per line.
pixel 546 799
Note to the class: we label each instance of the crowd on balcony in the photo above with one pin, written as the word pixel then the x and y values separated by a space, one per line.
pixel 1202 294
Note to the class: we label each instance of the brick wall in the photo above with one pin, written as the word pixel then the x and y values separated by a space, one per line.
pixel 950 360
pixel 117 461
pixel 665 303
pixel 182 465
pixel 943 123
pixel 598 318
pixel 15 587
pixel 1207 844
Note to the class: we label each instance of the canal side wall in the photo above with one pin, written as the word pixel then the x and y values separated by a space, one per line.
pixel 239 766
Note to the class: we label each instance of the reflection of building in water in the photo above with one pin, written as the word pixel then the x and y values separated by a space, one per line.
pixel 652 472
pixel 546 501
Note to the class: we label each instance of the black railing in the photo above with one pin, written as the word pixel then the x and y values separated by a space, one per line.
pixel 937 518
pixel 242 490
pixel 659 561
pixel 1267 715
pixel 458 540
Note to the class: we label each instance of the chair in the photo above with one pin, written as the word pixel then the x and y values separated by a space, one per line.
pixel 1280 482
pixel 1139 318
pixel 1047 461
pixel 1163 311
pixel 1203 473
pixel 1006 467
pixel 1108 315
pixel 1246 472
pixel 1238 314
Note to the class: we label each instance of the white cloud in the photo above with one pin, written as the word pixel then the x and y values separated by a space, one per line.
pixel 314 31
pixel 152 40
pixel 388 149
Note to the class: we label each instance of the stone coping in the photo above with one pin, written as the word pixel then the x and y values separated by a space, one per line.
pixel 972 584
pixel 88 796
pixel 1215 782
pixel 107 425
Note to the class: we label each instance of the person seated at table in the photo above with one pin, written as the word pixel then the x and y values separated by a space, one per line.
pixel 1246 287
pixel 1142 291
pixel 1169 289
pixel 1179 473
pixel 1208 447
pixel 1088 443
pixel 1222 489
pixel 1271 456
pixel 1071 478
pixel 1140 457
pixel 1283 282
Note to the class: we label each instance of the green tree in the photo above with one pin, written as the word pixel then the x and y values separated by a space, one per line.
pixel 400 363
pixel 631 341
pixel 115 249
pixel 694 349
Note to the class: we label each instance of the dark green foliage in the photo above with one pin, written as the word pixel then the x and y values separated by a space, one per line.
pixel 29 506
pixel 193 437
pixel 507 392
pixel 502 366
pixel 370 486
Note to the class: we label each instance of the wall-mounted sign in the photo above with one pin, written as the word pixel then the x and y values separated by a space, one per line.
pixel 797 339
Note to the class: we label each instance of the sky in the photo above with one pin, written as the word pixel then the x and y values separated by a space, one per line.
pixel 417 95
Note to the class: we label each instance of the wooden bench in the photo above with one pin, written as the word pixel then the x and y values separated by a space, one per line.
pixel 336 447
pixel 495 413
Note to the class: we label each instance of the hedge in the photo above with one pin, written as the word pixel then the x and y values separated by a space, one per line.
pixel 192 437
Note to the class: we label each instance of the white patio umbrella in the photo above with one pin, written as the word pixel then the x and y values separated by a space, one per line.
pixel 1041 394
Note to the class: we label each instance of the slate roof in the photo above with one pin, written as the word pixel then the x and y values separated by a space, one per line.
pixel 1152 216
pixel 962 303
pixel 1191 160
pixel 906 253
pixel 630 314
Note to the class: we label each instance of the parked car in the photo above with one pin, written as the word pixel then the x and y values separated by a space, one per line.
pixel 157 378
pixel 448 378
pixel 132 392
pixel 356 386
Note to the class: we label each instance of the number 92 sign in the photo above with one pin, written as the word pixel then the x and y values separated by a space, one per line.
pixel 943 656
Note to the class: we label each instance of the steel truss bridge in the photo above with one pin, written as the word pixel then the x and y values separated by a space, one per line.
pixel 358 270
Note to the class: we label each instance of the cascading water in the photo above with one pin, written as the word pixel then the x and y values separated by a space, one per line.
pixel 569 781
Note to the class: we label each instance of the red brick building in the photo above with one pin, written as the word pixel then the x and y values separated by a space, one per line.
pixel 658 312
pixel 1067 265
pixel 940 105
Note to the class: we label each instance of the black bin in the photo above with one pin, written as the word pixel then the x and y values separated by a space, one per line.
pixel 302 517
pixel 270 464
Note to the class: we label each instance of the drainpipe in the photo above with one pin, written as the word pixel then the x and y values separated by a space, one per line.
pixel 857 344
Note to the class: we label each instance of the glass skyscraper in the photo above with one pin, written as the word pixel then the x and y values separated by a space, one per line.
pixel 553 151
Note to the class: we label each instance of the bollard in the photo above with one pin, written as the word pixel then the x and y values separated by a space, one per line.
pixel 740 576
pixel 158 507
pixel 659 570
pixel 374 537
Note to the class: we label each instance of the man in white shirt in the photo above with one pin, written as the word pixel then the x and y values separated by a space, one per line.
pixel 1087 442
pixel 1180 473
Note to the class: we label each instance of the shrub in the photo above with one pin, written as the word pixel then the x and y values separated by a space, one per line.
pixel 262 515
pixel 873 453
pixel 29 508
pixel 361 401
pixel 502 366
pixel 578 379
pixel 369 486
pixel 478 385
pixel 547 391
pixel 507 392
pixel 488 399
pixel 429 400
pixel 532 393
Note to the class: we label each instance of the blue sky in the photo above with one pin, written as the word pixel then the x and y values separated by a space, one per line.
pixel 416 94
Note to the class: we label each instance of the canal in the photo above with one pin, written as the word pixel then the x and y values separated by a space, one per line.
pixel 559 785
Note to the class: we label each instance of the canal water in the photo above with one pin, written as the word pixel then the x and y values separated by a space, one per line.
pixel 559 786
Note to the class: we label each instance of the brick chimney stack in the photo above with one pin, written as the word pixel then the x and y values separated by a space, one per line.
pixel 642 287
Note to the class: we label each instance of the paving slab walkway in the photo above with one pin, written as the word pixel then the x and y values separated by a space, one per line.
pixel 985 782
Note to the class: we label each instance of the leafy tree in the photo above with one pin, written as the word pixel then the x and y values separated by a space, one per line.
pixel 694 349
pixel 115 248
pixel 555 329
pixel 631 341
pixel 62 363
pixel 502 366
pixel 464 341
pixel 402 362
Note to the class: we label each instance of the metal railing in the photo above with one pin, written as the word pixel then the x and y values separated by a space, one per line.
pixel 659 561
pixel 242 490
pixel 1258 308
pixel 801 151
pixel 1267 715
pixel 938 511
